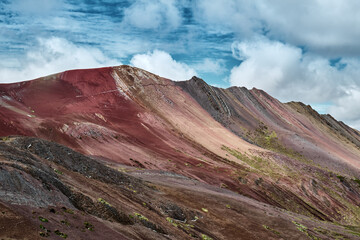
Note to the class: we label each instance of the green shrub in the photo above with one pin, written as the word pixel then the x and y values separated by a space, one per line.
pixel 61 234
pixel 43 219
pixel 100 200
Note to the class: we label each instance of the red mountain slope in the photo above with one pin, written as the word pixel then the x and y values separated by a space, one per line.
pixel 284 155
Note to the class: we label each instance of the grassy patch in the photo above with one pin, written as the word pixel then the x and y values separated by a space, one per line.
pixel 257 164
pixel 253 161
pixel 204 210
pixel 267 139
pixel 304 229
pixel 300 227
pixel 141 217
pixel 170 220
pixel 43 219
pixel 61 234
pixel 205 237
pixel 58 171
pixel 175 223
pixel 68 210
pixel 101 200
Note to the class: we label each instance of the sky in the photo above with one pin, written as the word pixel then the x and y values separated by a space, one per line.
pixel 305 50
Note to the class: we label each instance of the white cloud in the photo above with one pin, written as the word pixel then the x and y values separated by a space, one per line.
pixel 231 15
pixel 162 64
pixel 215 66
pixel 287 73
pixel 347 108
pixel 284 71
pixel 54 55
pixel 329 27
pixel 153 14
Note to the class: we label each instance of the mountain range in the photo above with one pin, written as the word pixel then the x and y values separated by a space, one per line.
pixel 121 153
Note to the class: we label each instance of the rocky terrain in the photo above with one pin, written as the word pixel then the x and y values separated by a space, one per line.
pixel 121 153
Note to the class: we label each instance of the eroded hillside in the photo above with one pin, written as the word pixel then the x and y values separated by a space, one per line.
pixel 188 140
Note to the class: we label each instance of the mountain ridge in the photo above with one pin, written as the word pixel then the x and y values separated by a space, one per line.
pixel 284 155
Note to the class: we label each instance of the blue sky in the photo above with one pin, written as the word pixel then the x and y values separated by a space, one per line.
pixel 295 50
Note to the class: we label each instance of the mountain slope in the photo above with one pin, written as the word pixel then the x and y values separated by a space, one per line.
pixel 298 127
pixel 72 196
pixel 246 142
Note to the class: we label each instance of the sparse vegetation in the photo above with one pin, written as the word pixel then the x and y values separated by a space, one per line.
pixel 89 226
pixel 205 237
pixel 58 171
pixel 141 217
pixel 329 233
pixel 304 229
pixel 61 234
pixel 43 219
pixel 257 163
pixel 45 232
pixel 170 220
pixel 341 178
pixel 101 200
pixel 300 227
pixel 354 230
pixel 357 181
pixel 204 210
pixel 5 139
pixel 65 222
pixel 271 230
pixel 267 139
pixel 68 210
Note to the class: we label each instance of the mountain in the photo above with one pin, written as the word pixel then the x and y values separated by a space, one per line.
pixel 121 153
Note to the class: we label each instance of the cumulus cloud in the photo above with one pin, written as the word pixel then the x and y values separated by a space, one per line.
pixel 232 15
pixel 153 14
pixel 52 55
pixel 329 27
pixel 284 71
pixel 288 73
pixel 215 66
pixel 162 64
pixel 346 108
